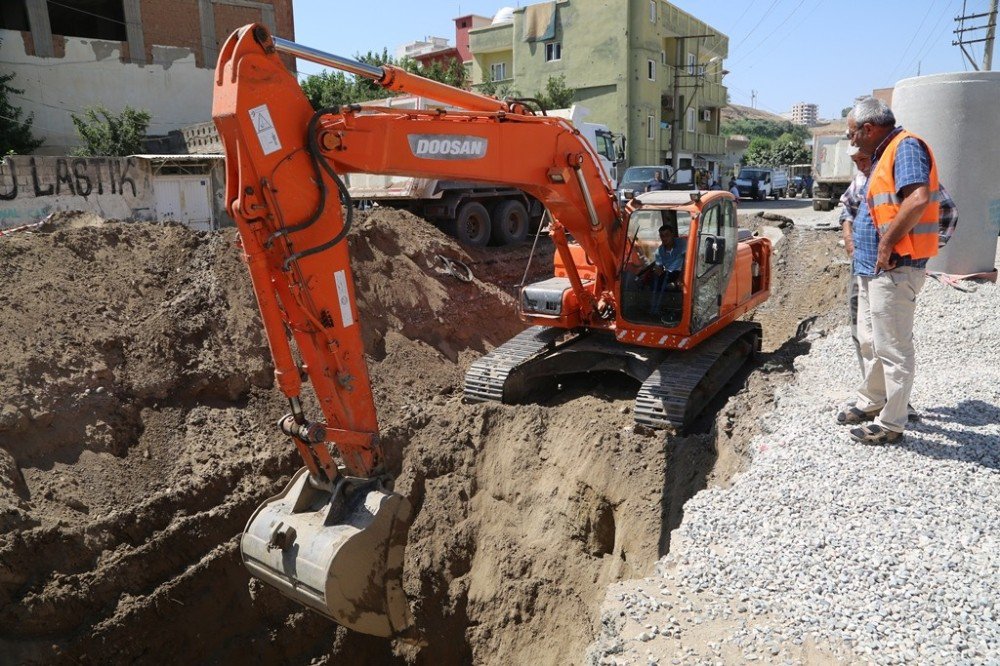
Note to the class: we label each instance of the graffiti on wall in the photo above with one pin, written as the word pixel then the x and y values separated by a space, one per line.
pixel 70 176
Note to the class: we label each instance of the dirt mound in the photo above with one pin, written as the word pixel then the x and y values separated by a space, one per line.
pixel 137 436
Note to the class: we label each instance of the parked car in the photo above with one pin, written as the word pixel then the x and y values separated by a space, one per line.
pixel 636 178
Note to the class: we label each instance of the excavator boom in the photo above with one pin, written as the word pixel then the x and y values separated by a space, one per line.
pixel 333 539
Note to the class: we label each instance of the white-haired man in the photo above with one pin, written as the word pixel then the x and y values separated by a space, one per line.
pixel 893 235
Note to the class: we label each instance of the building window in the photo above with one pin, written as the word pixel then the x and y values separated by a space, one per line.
pixel 100 19
pixel 652 11
pixel 691 63
pixel 553 51
pixel 649 127
pixel 663 57
pixel 690 120
pixel 14 16
pixel 498 71
pixel 651 70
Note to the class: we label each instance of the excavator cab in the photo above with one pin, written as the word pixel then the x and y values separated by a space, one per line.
pixel 697 240
pixel 652 282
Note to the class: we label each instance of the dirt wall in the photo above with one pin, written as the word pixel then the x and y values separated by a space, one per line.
pixel 137 436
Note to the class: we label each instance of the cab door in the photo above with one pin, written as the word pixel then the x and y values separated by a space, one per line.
pixel 714 262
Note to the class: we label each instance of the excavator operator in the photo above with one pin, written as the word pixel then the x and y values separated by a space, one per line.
pixel 667 272
pixel 669 261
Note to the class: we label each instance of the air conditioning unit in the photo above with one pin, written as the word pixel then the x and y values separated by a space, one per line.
pixel 706 115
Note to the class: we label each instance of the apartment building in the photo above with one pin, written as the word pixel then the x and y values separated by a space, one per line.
pixel 643 67
pixel 804 113
pixel 157 55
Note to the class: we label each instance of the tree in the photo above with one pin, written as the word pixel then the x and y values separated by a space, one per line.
pixel 451 72
pixel 336 88
pixel 106 134
pixel 15 133
pixel 765 152
pixel 498 89
pixel 557 95
pixel 844 111
pixel 328 89
pixel 770 129
pixel 758 152
pixel 789 152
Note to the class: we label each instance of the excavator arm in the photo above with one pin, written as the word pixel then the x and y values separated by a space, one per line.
pixel 333 539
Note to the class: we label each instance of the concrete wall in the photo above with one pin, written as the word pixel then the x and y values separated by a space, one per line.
pixel 117 188
pixel 591 59
pixel 173 89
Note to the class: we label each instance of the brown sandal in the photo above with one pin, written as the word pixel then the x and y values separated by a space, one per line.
pixel 852 414
pixel 875 434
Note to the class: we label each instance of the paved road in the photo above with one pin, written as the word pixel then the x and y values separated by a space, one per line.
pixel 799 210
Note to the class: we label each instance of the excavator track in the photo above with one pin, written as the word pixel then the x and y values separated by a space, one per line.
pixel 674 394
pixel 676 385
pixel 487 378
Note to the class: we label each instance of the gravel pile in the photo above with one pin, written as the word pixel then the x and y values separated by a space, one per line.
pixel 829 551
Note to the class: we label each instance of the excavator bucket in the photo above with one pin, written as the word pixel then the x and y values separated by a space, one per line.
pixel 339 552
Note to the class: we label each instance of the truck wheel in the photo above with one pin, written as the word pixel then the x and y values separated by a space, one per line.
pixel 775 194
pixel 510 222
pixel 817 205
pixel 471 225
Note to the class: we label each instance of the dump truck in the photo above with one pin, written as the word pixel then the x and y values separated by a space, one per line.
pixel 474 213
pixel 833 169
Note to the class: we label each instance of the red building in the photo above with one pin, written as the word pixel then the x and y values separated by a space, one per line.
pixel 433 50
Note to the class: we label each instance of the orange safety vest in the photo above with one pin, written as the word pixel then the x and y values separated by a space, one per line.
pixel 883 202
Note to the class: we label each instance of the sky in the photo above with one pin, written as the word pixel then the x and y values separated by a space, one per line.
pixel 788 51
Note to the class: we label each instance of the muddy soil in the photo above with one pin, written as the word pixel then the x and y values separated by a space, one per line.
pixel 137 436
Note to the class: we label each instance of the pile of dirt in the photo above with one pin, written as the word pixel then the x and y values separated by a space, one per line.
pixel 137 436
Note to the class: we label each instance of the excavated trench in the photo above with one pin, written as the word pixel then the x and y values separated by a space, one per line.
pixel 136 438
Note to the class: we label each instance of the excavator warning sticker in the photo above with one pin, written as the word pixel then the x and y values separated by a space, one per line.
pixel 264 126
pixel 346 316
pixel 447 146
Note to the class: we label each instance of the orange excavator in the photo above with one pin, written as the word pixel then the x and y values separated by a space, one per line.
pixel 624 297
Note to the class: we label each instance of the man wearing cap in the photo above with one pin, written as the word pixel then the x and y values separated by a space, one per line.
pixel 851 199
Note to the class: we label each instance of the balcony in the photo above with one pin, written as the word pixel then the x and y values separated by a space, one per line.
pixel 712 94
pixel 693 142
pixel 491 39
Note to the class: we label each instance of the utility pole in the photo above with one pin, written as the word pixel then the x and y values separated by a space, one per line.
pixel 675 135
pixel 695 76
pixel 964 40
pixel 753 99
pixel 991 29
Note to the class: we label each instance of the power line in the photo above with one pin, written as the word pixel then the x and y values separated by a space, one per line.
pixel 73 111
pixel 902 56
pixel 927 43
pixel 100 16
pixel 756 25
pixel 32 127
pixel 769 35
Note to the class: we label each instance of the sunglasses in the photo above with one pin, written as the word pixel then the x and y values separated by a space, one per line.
pixel 850 135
